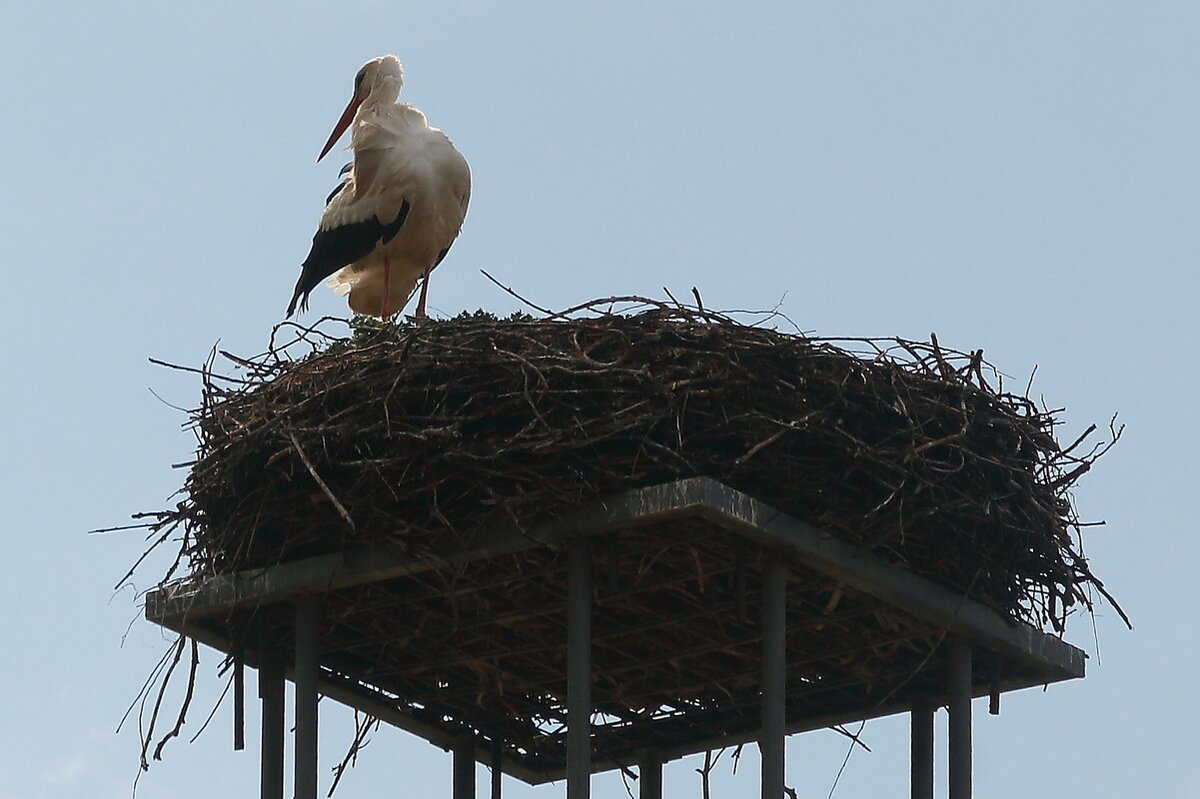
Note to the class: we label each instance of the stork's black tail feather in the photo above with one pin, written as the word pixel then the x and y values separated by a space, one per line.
pixel 300 296
pixel 334 248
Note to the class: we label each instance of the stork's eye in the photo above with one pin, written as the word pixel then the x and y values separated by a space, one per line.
pixel 358 79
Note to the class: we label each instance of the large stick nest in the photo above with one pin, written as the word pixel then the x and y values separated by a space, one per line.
pixel 407 432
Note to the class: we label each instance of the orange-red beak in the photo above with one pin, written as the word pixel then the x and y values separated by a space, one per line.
pixel 340 127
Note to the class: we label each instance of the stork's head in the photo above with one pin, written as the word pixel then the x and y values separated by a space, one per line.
pixel 378 81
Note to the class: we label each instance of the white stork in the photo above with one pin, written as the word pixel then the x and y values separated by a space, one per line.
pixel 399 207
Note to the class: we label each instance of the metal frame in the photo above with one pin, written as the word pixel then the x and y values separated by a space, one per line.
pixel 579 668
pixel 197 608
pixel 271 685
pixel 921 725
pixel 306 672
pixel 463 769
pixel 959 685
pixel 650 776
pixel 774 678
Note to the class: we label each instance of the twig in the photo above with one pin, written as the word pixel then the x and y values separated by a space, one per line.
pixel 363 725
pixel 183 708
pixel 535 307
pixel 196 371
pixel 324 487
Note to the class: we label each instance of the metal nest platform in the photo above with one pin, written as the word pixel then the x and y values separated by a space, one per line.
pixel 675 619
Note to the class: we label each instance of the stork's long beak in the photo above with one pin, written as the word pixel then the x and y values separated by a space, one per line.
pixel 342 124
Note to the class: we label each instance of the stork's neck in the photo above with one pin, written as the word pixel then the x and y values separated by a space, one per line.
pixel 383 126
pixel 393 116
pixel 384 92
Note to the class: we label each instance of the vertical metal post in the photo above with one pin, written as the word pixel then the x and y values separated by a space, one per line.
pixel 497 770
pixel 239 699
pixel 271 691
pixel 921 783
pixel 994 692
pixel 960 720
pixel 650 768
pixel 579 668
pixel 774 671
pixel 308 611
pixel 464 768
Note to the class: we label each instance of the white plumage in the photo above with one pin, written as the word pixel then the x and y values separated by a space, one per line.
pixel 399 208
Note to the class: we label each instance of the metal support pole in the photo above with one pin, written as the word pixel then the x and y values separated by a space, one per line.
pixel 271 691
pixel 960 720
pixel 239 699
pixel 464 768
pixel 994 691
pixel 497 771
pixel 774 671
pixel 921 782
pixel 308 612
pixel 650 769
pixel 579 669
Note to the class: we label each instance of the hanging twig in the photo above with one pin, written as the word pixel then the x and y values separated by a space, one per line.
pixel 363 726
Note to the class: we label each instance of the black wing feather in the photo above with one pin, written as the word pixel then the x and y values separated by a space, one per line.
pixel 334 248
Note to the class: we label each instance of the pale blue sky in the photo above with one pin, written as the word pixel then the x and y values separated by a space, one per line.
pixel 1019 177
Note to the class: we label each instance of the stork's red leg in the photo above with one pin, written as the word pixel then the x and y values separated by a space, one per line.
pixel 421 301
